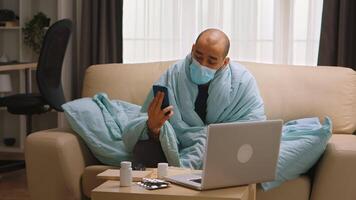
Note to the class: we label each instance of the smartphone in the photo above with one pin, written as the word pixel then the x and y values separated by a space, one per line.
pixel 165 102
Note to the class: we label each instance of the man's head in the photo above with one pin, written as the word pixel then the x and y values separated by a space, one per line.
pixel 211 48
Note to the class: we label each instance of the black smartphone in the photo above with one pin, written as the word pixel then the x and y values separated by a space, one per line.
pixel 165 102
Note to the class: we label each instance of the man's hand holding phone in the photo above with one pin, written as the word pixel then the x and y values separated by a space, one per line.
pixel 158 114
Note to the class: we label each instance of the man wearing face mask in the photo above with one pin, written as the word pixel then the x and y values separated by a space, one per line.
pixel 203 88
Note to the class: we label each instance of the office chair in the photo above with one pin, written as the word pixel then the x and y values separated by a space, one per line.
pixel 48 75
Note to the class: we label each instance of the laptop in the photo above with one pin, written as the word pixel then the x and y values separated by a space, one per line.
pixel 236 153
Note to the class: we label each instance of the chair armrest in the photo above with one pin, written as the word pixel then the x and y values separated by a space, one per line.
pixel 55 161
pixel 335 176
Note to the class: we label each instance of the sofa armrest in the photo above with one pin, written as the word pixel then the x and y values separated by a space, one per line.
pixel 55 161
pixel 335 176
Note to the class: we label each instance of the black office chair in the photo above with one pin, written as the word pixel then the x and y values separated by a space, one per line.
pixel 48 75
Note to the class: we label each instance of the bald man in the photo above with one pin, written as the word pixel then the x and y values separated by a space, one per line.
pixel 200 68
pixel 209 54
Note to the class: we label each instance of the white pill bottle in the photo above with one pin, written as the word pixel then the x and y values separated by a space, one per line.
pixel 125 174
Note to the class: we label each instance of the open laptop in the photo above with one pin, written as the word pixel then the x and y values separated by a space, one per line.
pixel 236 153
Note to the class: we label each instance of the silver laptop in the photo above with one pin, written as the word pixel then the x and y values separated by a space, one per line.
pixel 237 153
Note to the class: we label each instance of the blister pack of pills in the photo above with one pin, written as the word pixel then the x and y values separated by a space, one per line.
pixel 153 184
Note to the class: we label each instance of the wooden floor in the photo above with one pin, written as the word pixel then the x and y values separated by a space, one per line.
pixel 13 186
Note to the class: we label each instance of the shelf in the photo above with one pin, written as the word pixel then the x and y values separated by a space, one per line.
pixel 10 149
pixel 10 28
pixel 12 156
pixel 51 111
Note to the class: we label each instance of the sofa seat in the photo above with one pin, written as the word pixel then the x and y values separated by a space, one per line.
pixel 89 180
pixel 60 166
pixel 297 189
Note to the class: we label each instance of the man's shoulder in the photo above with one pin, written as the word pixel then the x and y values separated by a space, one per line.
pixel 177 66
pixel 178 63
pixel 238 67
pixel 239 72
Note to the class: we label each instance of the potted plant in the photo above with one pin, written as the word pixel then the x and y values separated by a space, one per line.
pixel 34 31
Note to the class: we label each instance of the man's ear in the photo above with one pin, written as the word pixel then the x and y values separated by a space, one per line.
pixel 226 61
pixel 193 46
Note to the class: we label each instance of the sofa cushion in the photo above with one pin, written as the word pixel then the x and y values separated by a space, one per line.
pixel 292 92
pixel 89 180
pixel 296 189
pixel 128 82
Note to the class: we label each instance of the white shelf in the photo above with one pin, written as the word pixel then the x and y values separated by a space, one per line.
pixel 10 28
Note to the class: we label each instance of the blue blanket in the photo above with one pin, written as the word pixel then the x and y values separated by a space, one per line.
pixel 233 96
pixel 112 128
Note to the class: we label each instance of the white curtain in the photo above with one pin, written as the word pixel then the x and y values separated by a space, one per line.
pixel 270 31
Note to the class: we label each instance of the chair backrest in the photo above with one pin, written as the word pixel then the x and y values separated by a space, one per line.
pixel 50 62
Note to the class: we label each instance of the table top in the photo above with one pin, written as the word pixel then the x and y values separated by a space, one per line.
pixel 111 190
pixel 17 66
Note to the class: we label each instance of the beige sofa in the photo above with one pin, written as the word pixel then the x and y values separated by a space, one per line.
pixel 60 166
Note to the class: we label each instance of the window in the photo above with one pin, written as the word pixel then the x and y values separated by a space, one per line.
pixel 271 31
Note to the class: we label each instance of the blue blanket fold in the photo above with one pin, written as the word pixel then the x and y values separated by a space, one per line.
pixel 303 141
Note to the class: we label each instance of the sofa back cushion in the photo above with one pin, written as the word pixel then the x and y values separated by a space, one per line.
pixel 128 82
pixel 289 92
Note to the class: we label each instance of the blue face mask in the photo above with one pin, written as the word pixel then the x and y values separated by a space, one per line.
pixel 200 74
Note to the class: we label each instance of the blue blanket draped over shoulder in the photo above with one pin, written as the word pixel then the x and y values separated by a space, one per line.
pixel 233 96
pixel 111 128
